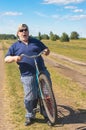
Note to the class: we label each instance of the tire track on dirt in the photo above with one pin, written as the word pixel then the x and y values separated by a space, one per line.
pixel 66 70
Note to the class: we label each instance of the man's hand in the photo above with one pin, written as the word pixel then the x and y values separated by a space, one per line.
pixel 10 59
pixel 17 58
pixel 46 51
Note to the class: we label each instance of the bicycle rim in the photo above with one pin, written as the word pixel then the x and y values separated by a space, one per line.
pixel 48 98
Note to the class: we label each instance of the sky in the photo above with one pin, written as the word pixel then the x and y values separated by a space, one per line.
pixel 43 16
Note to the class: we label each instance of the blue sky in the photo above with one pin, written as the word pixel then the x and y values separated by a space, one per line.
pixel 43 16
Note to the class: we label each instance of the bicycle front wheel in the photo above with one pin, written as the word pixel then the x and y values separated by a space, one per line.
pixel 48 98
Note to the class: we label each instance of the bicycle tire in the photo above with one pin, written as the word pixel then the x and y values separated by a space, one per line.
pixel 48 98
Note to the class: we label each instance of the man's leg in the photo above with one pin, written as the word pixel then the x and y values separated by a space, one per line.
pixel 30 95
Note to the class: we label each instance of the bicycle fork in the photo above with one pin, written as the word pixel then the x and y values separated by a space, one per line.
pixel 40 95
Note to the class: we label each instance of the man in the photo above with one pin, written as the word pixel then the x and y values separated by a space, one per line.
pixel 29 46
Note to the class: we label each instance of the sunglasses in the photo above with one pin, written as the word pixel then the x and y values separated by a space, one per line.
pixel 22 30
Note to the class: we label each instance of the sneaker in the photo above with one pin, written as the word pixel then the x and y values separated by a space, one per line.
pixel 27 122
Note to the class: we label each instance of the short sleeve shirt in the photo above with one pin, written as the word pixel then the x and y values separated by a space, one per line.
pixel 34 47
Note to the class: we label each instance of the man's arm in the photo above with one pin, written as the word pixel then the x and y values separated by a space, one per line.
pixel 10 59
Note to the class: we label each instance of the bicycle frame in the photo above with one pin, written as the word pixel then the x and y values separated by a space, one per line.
pixel 37 70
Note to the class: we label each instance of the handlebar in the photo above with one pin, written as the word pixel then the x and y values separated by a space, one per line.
pixel 33 56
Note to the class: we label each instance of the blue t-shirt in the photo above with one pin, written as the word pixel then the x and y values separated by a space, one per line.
pixel 34 47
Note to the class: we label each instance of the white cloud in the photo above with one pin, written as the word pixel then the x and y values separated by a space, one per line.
pixel 78 10
pixel 10 13
pixel 69 17
pixel 70 7
pixel 61 1
pixel 77 17
pixel 74 9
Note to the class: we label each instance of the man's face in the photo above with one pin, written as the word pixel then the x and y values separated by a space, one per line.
pixel 23 34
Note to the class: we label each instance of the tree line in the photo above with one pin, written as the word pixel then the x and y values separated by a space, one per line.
pixel 7 36
pixel 63 38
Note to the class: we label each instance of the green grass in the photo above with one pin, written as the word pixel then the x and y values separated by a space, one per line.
pixel 15 92
pixel 75 49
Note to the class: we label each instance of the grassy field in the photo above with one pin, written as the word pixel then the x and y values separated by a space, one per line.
pixel 62 86
pixel 75 49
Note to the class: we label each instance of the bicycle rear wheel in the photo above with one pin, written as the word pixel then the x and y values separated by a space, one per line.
pixel 48 98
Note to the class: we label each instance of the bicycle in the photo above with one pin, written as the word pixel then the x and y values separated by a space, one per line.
pixel 46 99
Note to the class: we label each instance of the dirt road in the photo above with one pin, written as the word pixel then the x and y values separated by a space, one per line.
pixel 1 92
pixel 4 102
pixel 70 119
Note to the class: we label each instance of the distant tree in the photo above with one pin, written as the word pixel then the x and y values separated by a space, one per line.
pixel 7 36
pixel 45 36
pixel 39 36
pixel 74 35
pixel 64 37
pixel 53 36
pixel 57 37
pixel 51 33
